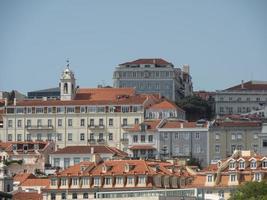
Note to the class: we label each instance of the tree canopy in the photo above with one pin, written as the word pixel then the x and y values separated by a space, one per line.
pixel 250 191
pixel 196 108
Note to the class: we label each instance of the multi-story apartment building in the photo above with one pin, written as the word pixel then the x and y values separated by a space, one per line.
pixel 154 76
pixel 82 116
pixel 222 178
pixel 169 138
pixel 242 98
pixel 83 180
pixel 229 135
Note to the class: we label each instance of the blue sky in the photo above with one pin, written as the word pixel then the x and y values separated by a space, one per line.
pixel 222 41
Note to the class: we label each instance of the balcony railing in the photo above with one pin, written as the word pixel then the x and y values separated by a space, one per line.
pixel 39 127
pixel 94 127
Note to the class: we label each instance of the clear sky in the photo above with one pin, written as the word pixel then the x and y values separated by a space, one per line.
pixel 222 41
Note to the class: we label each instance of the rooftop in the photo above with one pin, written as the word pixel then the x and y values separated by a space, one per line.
pixel 250 85
pixel 155 61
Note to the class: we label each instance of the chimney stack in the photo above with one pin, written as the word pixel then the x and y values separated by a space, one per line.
pixel 242 84
pixel 15 101
pixel 186 68
pixel 92 150
pixel 5 102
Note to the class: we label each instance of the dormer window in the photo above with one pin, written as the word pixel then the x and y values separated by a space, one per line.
pixel 242 165
pixel 253 164
pixel 232 165
pixel 210 178
pixel 264 163
pixel 53 182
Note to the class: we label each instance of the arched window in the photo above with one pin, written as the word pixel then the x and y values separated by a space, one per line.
pixel 65 88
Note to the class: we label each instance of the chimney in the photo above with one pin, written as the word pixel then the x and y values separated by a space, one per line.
pixel 5 102
pixel 154 61
pixel 186 68
pixel 92 150
pixel 242 84
pixel 15 101
pixel 182 125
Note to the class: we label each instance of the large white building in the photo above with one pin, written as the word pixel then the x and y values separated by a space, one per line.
pixel 82 116
pixel 243 98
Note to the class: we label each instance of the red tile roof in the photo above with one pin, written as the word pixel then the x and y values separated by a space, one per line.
pixel 22 177
pixel 151 126
pixel 165 104
pixel 27 196
pixel 180 124
pixel 100 149
pixel 237 124
pixel 157 61
pixel 250 85
pixel 42 182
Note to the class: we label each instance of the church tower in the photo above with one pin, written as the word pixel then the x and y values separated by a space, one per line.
pixel 6 180
pixel 67 84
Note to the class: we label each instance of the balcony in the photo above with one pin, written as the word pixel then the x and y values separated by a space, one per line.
pixel 91 141
pixel 39 127
pixel 124 140
pixel 94 127
pixel 101 141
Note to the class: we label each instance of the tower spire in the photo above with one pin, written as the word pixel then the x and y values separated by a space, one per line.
pixel 68 63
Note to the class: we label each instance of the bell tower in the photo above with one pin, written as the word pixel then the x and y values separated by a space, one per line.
pixel 67 84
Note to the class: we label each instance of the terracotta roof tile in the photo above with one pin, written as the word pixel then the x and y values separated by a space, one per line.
pixel 27 195
pixel 151 126
pixel 180 124
pixel 165 104
pixel 22 177
pixel 36 182
pixel 250 85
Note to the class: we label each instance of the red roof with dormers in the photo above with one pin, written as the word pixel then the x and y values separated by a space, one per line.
pixel 182 124
pixel 151 126
pixel 157 61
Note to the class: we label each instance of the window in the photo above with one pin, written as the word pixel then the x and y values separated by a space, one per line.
pixel 53 196
pixel 49 136
pixel 101 122
pixel 56 162
pixel 92 122
pixel 135 138
pixel 110 122
pixel 257 177
pixel 165 135
pixel 143 138
pixel 232 165
pixel 210 178
pixel 253 164
pixel 119 180
pixel 39 136
pixel 69 122
pixel 66 162
pixel 28 137
pixel 29 110
pixel 130 180
pixel 69 136
pixel 82 136
pixel 264 143
pixel 75 181
pixel 110 136
pixel 91 109
pixel 19 137
pixel 141 180
pixel 108 181
pixel 233 136
pixel 86 159
pixel 177 136
pixel 74 195
pixel 143 152
pixel 53 182
pixel 221 109
pixel 82 122
pixel 239 136
pixel 217 136
pixel 150 138
pixel 10 123
pixel 232 177
pixel 241 165
pixel 59 122
pixel 217 148
pixel 198 148
pixel 29 122
pixel 63 181
pixel 49 110
pixel 59 136
pixel 92 136
pixel 197 136
pixel 85 181
pixel 101 136
pixel 63 195
pixel 19 123
pixel 124 122
pixel 136 121
pixel 125 109
pixel 49 122
pixel 85 195
pixel 96 181
pixel 9 137
pixel 82 109
pixel 39 122
pixel 264 164
pixel 60 109
pixel 70 109
pixel 39 110
pixel 100 109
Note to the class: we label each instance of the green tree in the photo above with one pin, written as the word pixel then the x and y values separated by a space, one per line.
pixel 196 108
pixel 250 191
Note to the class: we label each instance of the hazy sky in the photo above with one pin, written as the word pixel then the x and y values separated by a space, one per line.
pixel 222 41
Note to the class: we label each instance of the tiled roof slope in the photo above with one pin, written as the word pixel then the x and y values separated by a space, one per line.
pixel 250 85
pixel 157 61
